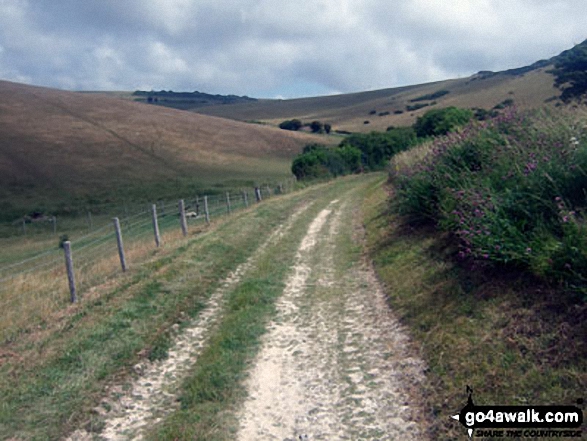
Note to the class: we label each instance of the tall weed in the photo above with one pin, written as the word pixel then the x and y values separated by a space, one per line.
pixel 511 190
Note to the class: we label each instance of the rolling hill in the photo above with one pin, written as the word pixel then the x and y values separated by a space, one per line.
pixel 75 147
pixel 529 88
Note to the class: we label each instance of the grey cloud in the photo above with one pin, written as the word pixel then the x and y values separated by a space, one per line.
pixel 256 47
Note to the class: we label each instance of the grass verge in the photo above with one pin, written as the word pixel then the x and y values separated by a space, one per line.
pixel 52 377
pixel 513 340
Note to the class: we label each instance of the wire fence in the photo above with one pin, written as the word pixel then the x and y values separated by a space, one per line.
pixel 95 252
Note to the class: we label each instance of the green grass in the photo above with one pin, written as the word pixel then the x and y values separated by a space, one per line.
pixel 214 390
pixel 54 374
pixel 60 371
pixel 513 340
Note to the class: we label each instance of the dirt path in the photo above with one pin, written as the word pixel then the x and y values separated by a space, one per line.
pixel 335 363
pixel 128 409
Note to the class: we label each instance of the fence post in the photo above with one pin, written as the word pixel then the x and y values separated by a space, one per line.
pixel 156 225
pixel 206 209
pixel 120 245
pixel 245 199
pixel 258 194
pixel 268 191
pixel 228 202
pixel 69 268
pixel 197 205
pixel 184 224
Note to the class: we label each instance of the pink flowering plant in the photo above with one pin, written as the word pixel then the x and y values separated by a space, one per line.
pixel 511 190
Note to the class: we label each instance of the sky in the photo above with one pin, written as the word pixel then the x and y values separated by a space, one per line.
pixel 276 48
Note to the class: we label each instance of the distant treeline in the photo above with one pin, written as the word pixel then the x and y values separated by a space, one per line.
pixel 372 151
pixel 196 97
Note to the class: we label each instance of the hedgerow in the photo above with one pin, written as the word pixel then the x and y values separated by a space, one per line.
pixel 511 190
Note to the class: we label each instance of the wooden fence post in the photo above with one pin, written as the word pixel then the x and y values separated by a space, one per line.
pixel 184 224
pixel 120 245
pixel 228 202
pixel 258 194
pixel 268 191
pixel 206 209
pixel 197 205
pixel 69 268
pixel 245 199
pixel 156 225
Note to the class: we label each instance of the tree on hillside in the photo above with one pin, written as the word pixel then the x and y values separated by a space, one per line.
pixel 570 70
pixel 316 126
pixel 291 124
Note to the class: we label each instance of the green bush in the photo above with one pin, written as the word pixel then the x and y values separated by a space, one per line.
pixel 356 153
pixel 570 70
pixel 441 121
pixel 378 147
pixel 431 96
pixel 418 106
pixel 316 126
pixel 318 161
pixel 291 124
pixel 511 191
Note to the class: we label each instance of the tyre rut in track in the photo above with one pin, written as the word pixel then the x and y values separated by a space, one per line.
pixel 128 410
pixel 335 363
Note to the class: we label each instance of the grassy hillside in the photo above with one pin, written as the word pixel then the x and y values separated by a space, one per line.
pixel 349 112
pixel 68 148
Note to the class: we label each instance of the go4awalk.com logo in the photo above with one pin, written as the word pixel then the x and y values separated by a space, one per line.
pixel 520 421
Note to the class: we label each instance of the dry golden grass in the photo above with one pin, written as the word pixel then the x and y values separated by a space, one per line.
pixel 57 145
pixel 30 300
pixel 350 111
pixel 407 159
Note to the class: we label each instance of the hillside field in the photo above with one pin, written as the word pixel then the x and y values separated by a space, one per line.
pixel 60 150
pixel 349 112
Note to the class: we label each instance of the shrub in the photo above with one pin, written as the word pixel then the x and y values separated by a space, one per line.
pixel 378 147
pixel 291 124
pixel 416 107
pixel 511 191
pixel 483 114
pixel 570 70
pixel 441 121
pixel 316 126
pixel 505 103
pixel 356 153
pixel 318 161
pixel 431 96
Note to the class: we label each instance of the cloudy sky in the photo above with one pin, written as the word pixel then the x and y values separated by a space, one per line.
pixel 276 48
